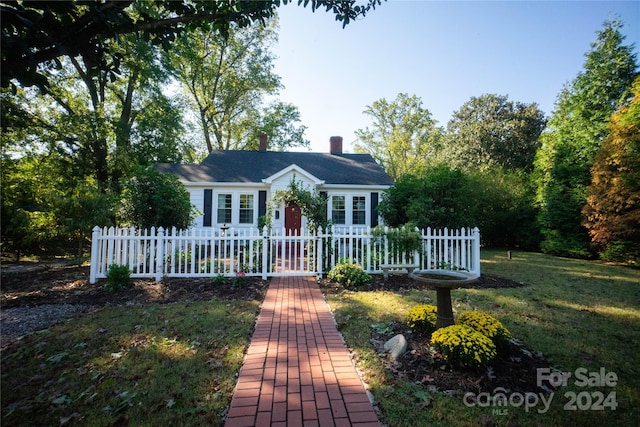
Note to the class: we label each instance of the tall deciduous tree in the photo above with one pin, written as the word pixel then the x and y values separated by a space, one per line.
pixel 577 128
pixel 280 121
pixel 147 123
pixel 490 131
pixel 65 149
pixel 612 212
pixel 101 123
pixel 403 137
pixel 226 78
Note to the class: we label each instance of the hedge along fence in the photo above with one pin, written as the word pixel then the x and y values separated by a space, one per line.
pixel 197 252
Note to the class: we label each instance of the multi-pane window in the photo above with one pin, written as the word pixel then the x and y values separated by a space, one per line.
pixel 338 209
pixel 246 209
pixel 224 208
pixel 359 212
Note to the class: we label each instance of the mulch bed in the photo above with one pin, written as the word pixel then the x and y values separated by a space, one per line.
pixel 70 285
pixel 514 369
pixel 401 283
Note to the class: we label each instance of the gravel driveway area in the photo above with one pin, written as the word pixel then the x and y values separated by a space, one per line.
pixel 21 321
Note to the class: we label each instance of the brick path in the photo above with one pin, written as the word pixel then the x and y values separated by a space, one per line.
pixel 297 371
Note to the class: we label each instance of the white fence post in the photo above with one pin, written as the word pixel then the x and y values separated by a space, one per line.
pixel 429 261
pixel 95 246
pixel 159 254
pixel 318 248
pixel 265 252
pixel 416 253
pixel 476 251
pixel 464 246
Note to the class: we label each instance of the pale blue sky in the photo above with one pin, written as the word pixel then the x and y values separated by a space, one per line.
pixel 443 52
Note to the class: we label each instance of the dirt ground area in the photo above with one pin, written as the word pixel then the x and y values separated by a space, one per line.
pixel 30 285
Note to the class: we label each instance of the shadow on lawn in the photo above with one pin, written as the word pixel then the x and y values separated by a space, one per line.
pixel 589 281
pixel 156 365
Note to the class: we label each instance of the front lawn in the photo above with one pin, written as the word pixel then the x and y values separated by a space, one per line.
pixel 579 314
pixel 143 365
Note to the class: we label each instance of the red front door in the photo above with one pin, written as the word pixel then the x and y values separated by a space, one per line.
pixel 292 220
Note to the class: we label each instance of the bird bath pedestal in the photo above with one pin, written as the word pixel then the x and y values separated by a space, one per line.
pixel 444 281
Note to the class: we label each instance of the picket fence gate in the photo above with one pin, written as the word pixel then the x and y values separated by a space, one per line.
pixel 157 253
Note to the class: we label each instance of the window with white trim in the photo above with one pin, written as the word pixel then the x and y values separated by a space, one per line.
pixel 224 209
pixel 338 210
pixel 359 211
pixel 246 209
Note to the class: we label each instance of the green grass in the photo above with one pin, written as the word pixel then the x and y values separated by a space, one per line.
pixel 580 314
pixel 177 364
pixel 142 365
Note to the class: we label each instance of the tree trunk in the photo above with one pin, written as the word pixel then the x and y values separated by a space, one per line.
pixel 205 130
pixel 123 133
pixel 125 121
pixel 100 163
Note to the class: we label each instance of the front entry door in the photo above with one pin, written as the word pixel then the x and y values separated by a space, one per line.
pixel 292 252
pixel 292 220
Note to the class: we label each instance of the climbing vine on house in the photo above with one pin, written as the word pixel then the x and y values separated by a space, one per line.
pixel 312 204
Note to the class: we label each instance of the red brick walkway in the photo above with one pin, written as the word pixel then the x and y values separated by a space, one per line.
pixel 297 371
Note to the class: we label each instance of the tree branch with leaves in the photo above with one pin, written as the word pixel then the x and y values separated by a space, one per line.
pixel 35 35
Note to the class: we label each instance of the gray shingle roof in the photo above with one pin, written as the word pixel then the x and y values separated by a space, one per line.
pixel 254 166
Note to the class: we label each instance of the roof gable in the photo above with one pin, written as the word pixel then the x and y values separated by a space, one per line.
pixel 294 169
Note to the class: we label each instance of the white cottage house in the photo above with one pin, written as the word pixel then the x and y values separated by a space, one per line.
pixel 233 188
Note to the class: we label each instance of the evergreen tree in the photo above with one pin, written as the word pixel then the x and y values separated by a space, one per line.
pixel 576 130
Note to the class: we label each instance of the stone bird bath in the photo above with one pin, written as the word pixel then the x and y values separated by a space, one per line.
pixel 444 281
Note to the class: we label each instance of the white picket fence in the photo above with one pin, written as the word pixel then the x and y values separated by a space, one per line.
pixel 158 253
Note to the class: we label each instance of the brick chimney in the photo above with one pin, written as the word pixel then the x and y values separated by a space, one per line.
pixel 335 143
pixel 263 142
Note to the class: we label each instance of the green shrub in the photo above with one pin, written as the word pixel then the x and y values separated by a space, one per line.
pixel 118 277
pixel 219 280
pixel 349 275
pixel 461 344
pixel 486 324
pixel 422 318
pixel 154 199
pixel 622 251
